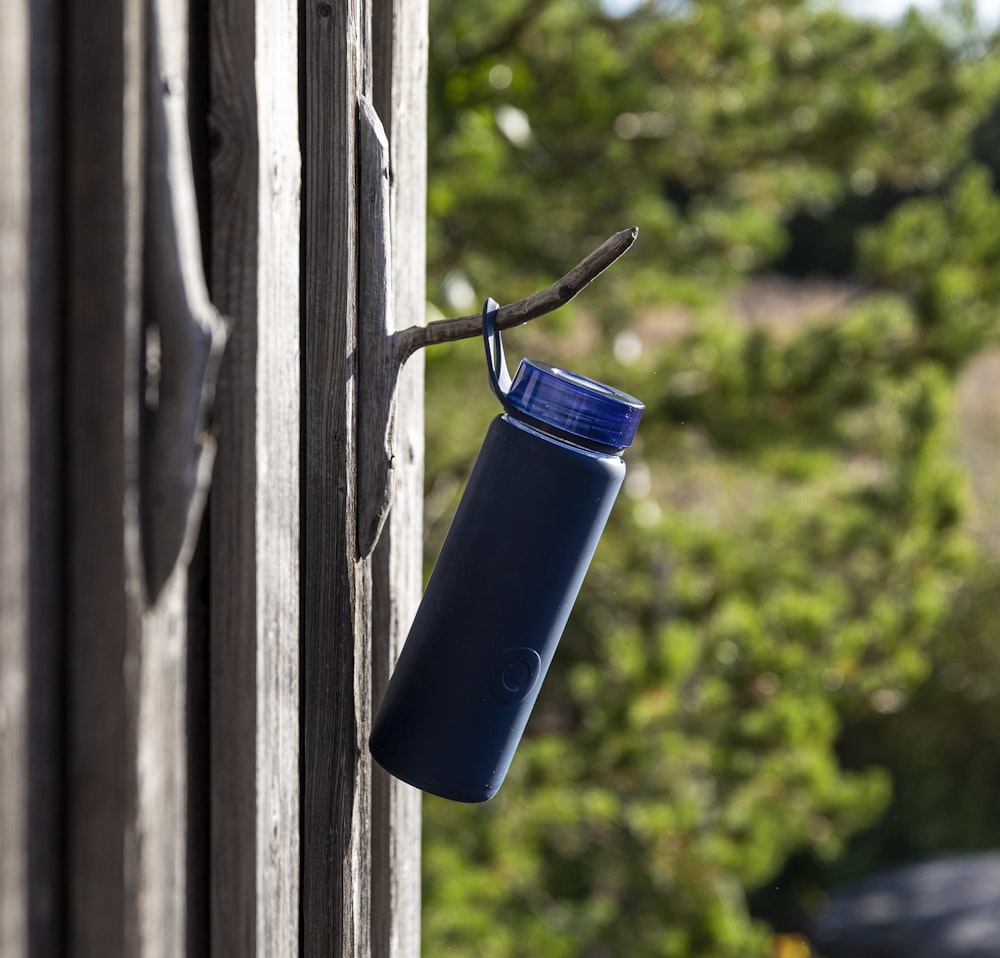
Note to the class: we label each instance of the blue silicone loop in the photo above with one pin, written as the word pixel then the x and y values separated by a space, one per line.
pixel 567 402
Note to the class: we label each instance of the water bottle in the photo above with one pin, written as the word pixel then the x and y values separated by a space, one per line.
pixel 505 581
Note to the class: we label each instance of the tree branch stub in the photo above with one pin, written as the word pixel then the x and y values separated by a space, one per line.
pixel 408 341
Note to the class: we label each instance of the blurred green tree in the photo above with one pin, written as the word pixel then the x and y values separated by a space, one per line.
pixel 709 125
pixel 790 543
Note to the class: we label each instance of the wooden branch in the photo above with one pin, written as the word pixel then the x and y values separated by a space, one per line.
pixel 408 341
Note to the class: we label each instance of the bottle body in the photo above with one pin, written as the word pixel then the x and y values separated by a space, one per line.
pixel 493 612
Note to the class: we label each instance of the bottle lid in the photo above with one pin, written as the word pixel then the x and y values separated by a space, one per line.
pixel 575 404
pixel 568 403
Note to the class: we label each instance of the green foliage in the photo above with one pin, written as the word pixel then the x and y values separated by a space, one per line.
pixel 928 755
pixel 708 125
pixel 780 578
pixel 945 252
pixel 942 749
pixel 685 744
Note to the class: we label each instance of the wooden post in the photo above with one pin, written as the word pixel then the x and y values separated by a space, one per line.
pixel 45 510
pixel 360 848
pixel 113 831
pixel 255 514
pixel 400 84
pixel 104 204
pixel 15 477
pixel 336 586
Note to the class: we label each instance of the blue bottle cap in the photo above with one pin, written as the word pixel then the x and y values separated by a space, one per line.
pixel 559 401
pixel 573 404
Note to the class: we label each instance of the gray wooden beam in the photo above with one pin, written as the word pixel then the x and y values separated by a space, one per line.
pixel 336 602
pixel 232 503
pixel 400 96
pixel 255 509
pixel 104 202
pixel 45 564
pixel 255 504
pixel 15 476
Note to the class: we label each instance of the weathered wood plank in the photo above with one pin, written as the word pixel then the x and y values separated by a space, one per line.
pixel 126 679
pixel 176 467
pixel 30 514
pixel 397 582
pixel 232 504
pixel 161 774
pixel 105 84
pixel 278 478
pixel 400 95
pixel 255 506
pixel 45 562
pixel 335 586
pixel 14 477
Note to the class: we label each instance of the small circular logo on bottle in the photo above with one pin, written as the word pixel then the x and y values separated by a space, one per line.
pixel 516 674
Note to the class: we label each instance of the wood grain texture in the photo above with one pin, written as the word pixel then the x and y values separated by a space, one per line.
pixel 400 95
pixel 105 84
pixel 45 513
pixel 335 687
pixel 161 823
pixel 232 504
pixel 127 689
pixel 255 503
pixel 14 477
pixel 278 478
pixel 176 470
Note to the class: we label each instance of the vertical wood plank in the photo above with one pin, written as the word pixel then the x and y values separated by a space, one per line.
pixel 45 534
pixel 335 586
pixel 400 90
pixel 174 300
pixel 161 774
pixel 196 665
pixel 255 505
pixel 278 478
pixel 232 504
pixel 14 478
pixel 105 84
pixel 30 514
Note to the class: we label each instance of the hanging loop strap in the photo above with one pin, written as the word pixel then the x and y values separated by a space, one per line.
pixel 496 362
